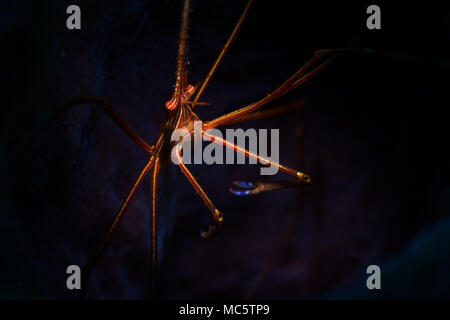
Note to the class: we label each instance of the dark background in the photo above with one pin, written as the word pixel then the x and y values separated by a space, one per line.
pixel 374 140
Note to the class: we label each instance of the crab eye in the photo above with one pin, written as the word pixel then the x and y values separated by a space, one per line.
pixel 171 104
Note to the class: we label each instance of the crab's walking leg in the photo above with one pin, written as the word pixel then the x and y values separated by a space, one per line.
pixel 301 76
pixel 268 113
pixel 222 53
pixel 91 263
pixel 154 194
pixel 304 178
pixel 218 217
pixel 116 117
pixel 309 75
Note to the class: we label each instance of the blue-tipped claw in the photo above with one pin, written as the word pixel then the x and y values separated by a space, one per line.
pixel 241 192
pixel 244 184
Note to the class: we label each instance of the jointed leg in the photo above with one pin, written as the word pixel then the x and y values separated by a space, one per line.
pixel 301 76
pixel 310 74
pixel 218 217
pixel 304 178
pixel 154 194
pixel 222 54
pixel 267 113
pixel 116 117
pixel 252 188
pixel 91 263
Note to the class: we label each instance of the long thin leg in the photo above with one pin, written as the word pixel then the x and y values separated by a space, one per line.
pixel 301 76
pixel 154 235
pixel 299 175
pixel 116 117
pixel 218 217
pixel 222 53
pixel 91 263
pixel 309 75
pixel 266 113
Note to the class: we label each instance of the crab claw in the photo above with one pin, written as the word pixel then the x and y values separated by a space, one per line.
pixel 304 178
pixel 251 188
pixel 240 192
pixel 244 184
pixel 212 230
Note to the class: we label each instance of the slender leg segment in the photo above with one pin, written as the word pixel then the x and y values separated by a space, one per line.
pixel 272 112
pixel 222 53
pixel 310 74
pixel 218 217
pixel 154 234
pixel 117 118
pixel 263 160
pixel 90 265
pixel 251 188
pixel 301 76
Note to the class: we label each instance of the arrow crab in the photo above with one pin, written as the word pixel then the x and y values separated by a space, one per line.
pixel 180 114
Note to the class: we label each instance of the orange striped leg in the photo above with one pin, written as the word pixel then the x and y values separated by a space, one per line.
pixel 222 53
pixel 264 160
pixel 90 265
pixel 117 118
pixel 299 104
pixel 154 194
pixel 301 76
pixel 218 217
